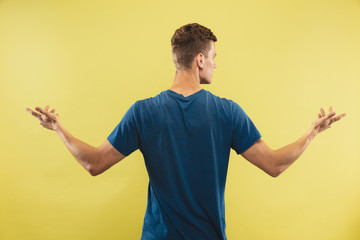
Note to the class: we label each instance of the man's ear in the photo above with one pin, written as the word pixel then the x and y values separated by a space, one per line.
pixel 200 60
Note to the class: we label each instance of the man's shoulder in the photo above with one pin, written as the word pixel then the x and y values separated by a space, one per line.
pixel 151 100
pixel 222 99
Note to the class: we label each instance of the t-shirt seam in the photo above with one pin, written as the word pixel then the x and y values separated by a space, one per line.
pixel 251 142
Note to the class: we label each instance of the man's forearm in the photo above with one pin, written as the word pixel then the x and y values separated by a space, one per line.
pixel 285 156
pixel 84 153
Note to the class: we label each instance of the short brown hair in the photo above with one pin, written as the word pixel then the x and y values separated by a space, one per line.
pixel 188 41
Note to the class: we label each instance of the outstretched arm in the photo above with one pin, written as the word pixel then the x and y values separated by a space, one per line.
pixel 274 162
pixel 94 160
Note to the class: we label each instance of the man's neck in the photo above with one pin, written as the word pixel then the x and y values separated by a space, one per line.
pixel 186 82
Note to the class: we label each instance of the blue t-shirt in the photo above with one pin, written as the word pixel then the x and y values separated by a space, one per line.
pixel 186 145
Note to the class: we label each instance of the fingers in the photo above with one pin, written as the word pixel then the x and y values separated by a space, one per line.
pixel 47 109
pixel 330 114
pixel 43 111
pixel 337 118
pixel 326 117
pixel 35 114
pixel 322 112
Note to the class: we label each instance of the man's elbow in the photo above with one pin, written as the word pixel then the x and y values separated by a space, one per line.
pixel 94 166
pixel 276 171
pixel 93 170
pixel 275 167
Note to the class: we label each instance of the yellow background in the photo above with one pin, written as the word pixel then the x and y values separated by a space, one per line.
pixel 280 60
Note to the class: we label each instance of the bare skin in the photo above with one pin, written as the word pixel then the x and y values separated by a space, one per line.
pixel 274 162
pixel 94 159
pixel 98 159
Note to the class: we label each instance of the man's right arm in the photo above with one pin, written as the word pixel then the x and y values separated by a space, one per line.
pixel 94 160
pixel 274 162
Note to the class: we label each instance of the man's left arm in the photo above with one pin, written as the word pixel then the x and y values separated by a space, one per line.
pixel 274 162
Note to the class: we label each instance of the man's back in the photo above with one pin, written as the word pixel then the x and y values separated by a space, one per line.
pixel 186 144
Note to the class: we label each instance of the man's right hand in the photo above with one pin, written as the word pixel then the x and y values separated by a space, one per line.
pixel 325 120
pixel 49 120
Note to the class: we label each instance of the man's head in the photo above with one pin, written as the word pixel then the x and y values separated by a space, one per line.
pixel 193 46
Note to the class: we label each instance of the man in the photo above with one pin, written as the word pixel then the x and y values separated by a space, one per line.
pixel 185 135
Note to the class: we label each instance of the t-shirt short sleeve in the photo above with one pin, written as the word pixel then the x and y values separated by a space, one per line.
pixel 125 136
pixel 244 132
